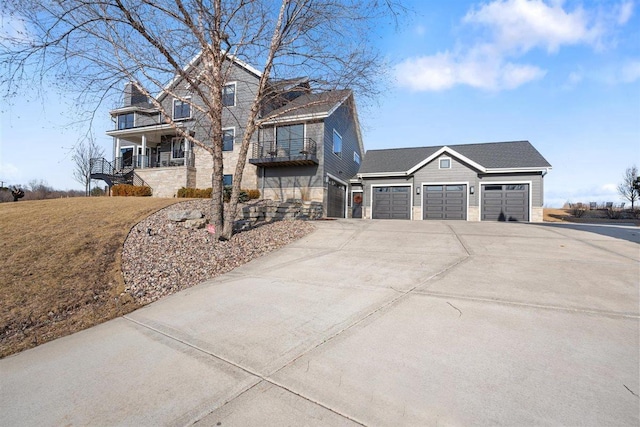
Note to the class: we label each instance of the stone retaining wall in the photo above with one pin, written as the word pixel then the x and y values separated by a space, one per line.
pixel 275 211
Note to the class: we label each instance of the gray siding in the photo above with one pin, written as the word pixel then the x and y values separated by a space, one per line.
pixel 458 173
pixel 291 177
pixel 343 122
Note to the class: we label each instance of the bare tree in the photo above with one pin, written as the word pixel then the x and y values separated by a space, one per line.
pixel 628 188
pixel 83 152
pixel 94 47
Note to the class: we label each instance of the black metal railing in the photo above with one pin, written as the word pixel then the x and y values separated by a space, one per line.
pixel 161 160
pixel 114 173
pixel 282 151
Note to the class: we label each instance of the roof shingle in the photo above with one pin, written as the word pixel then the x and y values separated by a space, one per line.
pixel 492 155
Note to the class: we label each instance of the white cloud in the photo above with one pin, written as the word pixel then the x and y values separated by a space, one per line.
pixel 10 174
pixel 630 72
pixel 13 29
pixel 479 70
pixel 625 12
pixel 522 25
pixel 511 29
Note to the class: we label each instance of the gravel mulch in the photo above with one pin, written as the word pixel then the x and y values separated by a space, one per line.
pixel 161 257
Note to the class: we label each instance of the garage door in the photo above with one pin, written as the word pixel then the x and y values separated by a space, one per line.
pixel 391 202
pixel 444 202
pixel 505 202
pixel 335 199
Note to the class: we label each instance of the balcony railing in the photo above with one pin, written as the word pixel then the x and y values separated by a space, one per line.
pixel 294 152
pixel 164 160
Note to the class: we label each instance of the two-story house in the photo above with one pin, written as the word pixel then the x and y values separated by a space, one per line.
pixel 308 147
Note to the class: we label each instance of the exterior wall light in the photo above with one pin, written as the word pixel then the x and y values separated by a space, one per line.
pixel 417 190
pixel 472 189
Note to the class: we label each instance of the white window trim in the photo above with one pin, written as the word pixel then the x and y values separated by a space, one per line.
pixel 235 93
pixel 355 154
pixel 445 158
pixel 333 148
pixel 185 147
pixel 126 114
pixel 233 128
pixel 173 108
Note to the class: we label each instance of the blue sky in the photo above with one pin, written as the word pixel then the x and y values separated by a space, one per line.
pixel 564 75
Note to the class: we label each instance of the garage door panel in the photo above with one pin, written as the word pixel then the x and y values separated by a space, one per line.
pixel 444 202
pixel 336 199
pixel 391 202
pixel 505 202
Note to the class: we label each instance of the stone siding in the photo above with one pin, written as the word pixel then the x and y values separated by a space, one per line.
pixel 165 182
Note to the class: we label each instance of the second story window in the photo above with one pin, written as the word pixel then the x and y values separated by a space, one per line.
pixel 356 157
pixel 337 143
pixel 181 109
pixel 229 95
pixel 126 121
pixel 228 136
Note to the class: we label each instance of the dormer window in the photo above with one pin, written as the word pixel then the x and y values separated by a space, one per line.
pixel 445 163
pixel 229 95
pixel 126 121
pixel 181 109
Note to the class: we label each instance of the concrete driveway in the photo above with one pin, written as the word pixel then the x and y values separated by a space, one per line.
pixel 366 322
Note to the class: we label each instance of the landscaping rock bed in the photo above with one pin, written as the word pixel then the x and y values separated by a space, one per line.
pixel 161 256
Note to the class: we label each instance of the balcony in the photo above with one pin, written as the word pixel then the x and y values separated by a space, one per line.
pixel 294 152
pixel 156 160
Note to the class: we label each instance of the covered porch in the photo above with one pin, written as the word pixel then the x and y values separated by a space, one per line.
pixel 146 147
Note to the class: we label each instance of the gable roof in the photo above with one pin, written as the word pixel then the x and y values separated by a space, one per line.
pixel 309 106
pixel 486 157
pixel 194 63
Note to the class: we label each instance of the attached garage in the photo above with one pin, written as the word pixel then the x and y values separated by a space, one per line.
pixel 505 202
pixel 444 201
pixel 336 198
pixel 494 181
pixel 391 202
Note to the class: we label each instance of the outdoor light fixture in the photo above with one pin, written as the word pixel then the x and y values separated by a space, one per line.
pixel 472 189
pixel 417 190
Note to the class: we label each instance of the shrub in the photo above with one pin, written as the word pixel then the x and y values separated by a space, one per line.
pixel 242 197
pixel 253 194
pixel 614 213
pixel 195 193
pixel 577 209
pixel 128 190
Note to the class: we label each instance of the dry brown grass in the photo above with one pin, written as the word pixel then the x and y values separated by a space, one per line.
pixel 60 265
pixel 598 216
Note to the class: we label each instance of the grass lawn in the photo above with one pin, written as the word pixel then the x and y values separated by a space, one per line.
pixel 60 268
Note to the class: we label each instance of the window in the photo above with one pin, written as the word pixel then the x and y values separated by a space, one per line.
pixel 356 157
pixel 445 163
pixel 493 188
pixel 455 187
pixel 181 109
pixel 228 136
pixel 337 144
pixel 126 121
pixel 177 148
pixel 227 180
pixel 229 95
pixel 289 140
